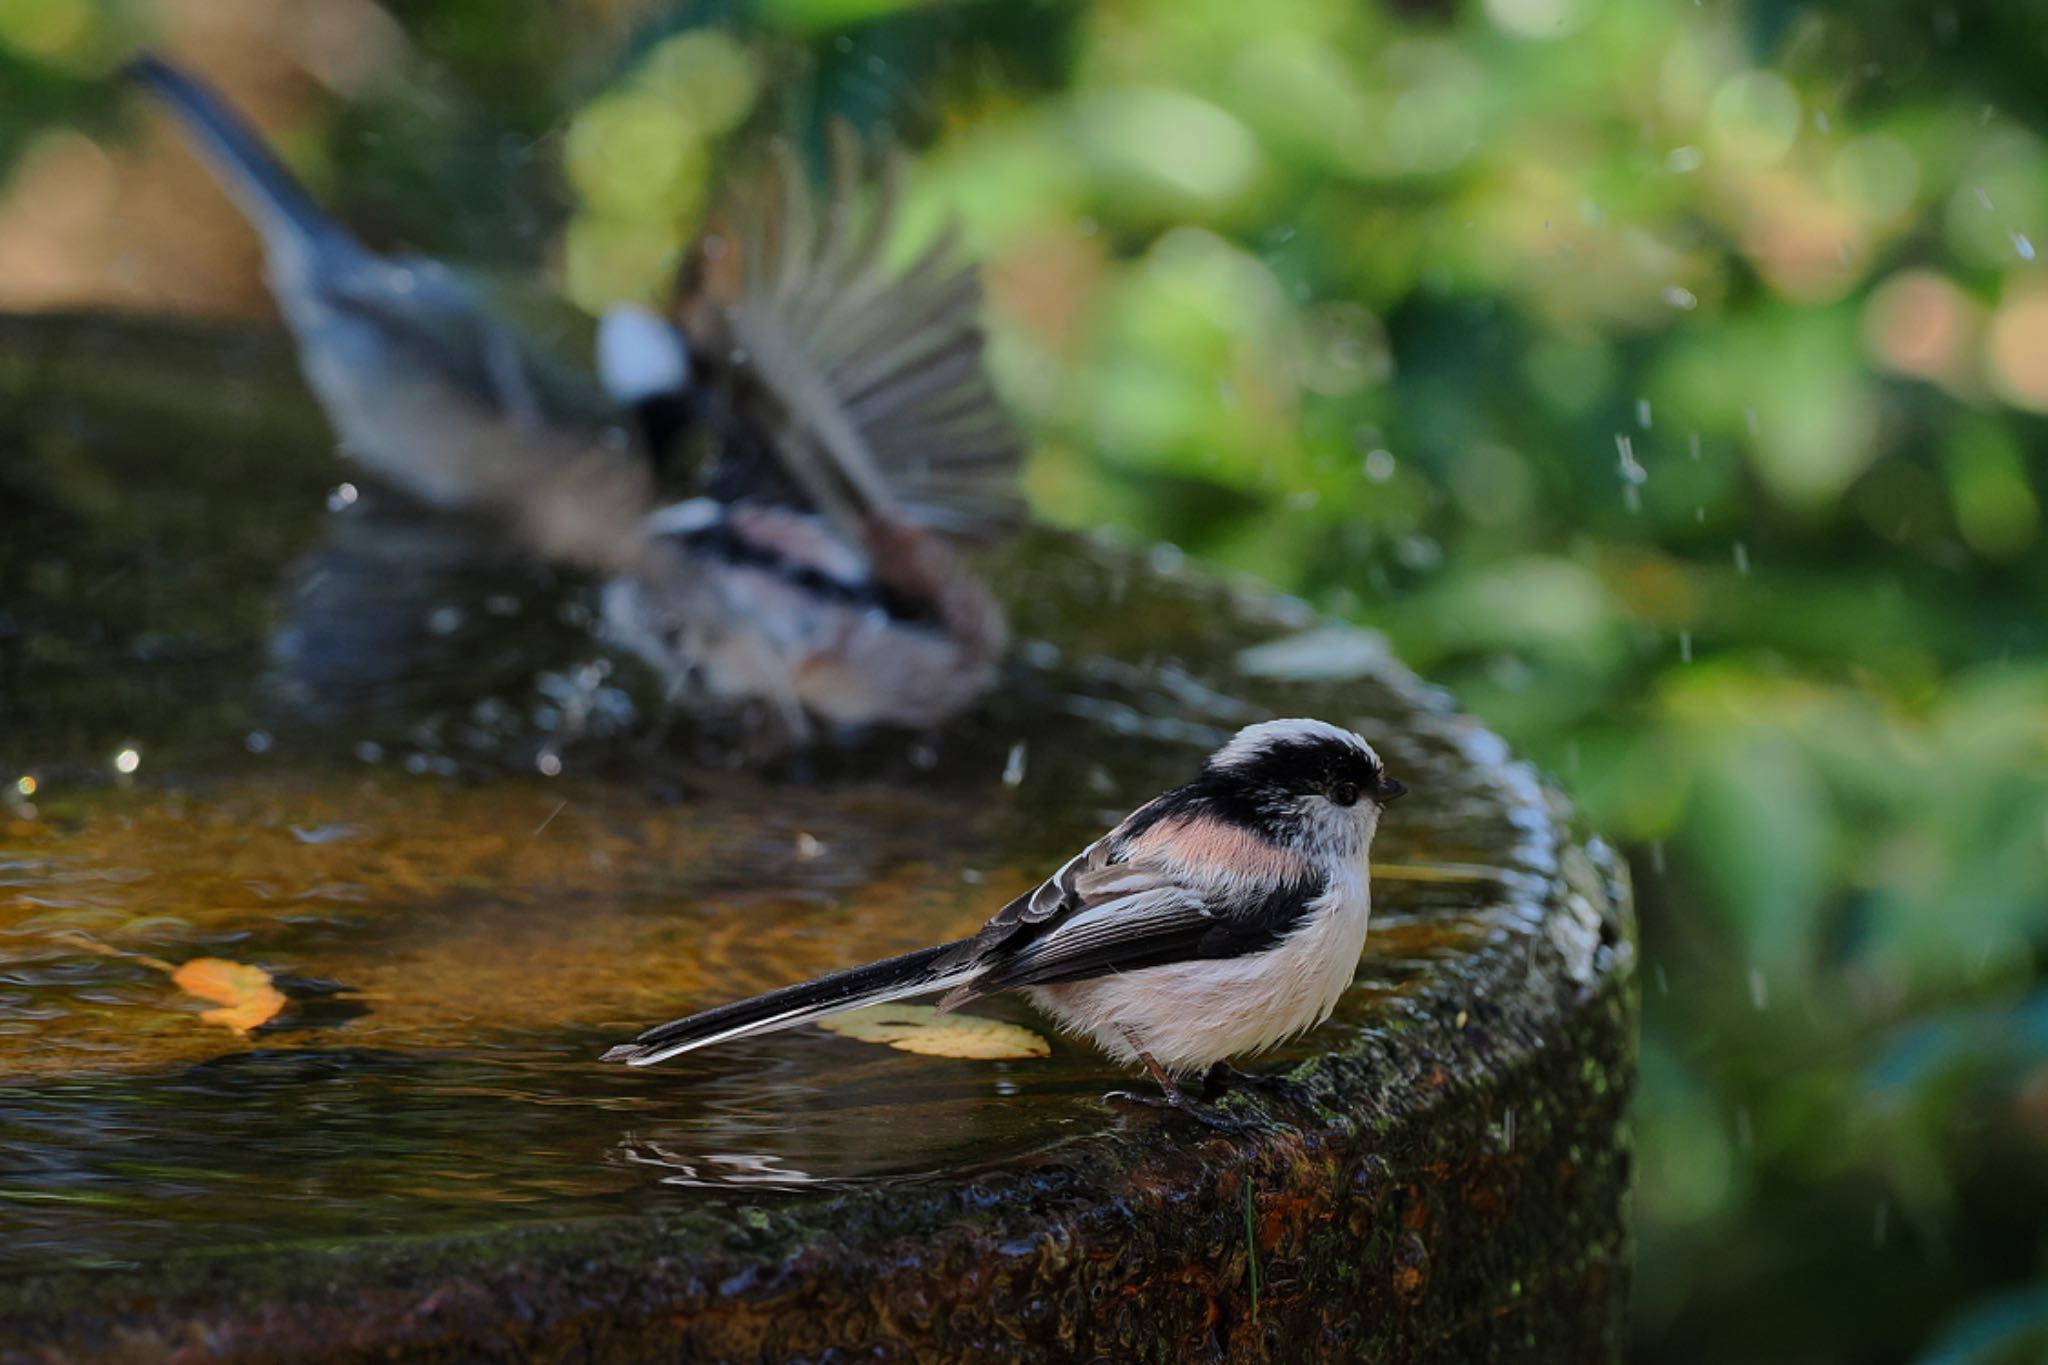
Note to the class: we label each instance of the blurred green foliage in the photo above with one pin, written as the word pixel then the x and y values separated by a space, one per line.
pixel 1667 379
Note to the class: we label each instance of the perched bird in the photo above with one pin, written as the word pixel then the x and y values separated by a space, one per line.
pixel 424 385
pixel 847 431
pixel 1218 919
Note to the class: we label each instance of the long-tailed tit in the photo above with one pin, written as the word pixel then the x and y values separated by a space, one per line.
pixel 848 430
pixel 1216 920
pixel 423 384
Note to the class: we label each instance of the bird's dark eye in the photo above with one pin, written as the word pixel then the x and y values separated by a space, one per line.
pixel 1345 793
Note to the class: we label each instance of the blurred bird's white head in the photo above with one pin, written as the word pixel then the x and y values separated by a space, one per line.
pixel 640 355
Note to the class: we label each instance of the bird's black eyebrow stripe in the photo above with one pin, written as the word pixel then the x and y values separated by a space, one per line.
pixel 1300 765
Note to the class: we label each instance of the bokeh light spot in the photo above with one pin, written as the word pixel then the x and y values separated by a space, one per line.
pixel 2017 359
pixel 1919 323
pixel 1754 118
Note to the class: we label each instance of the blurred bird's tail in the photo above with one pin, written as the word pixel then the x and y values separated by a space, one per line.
pixel 291 224
pixel 896 978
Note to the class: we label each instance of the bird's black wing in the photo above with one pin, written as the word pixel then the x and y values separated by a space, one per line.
pixel 1122 917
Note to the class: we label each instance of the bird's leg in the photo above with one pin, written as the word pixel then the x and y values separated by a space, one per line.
pixel 1174 1096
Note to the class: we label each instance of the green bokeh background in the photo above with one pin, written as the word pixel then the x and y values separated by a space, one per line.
pixel 1665 378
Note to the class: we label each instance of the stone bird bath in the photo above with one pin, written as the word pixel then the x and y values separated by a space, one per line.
pixel 464 901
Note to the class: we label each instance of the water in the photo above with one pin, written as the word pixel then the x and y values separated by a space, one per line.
pixel 462 936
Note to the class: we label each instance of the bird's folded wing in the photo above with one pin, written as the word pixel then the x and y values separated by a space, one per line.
pixel 879 371
pixel 1124 918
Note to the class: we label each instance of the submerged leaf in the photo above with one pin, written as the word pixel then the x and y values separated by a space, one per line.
pixel 923 1030
pixel 247 994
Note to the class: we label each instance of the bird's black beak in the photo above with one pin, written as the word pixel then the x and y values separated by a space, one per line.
pixel 1389 790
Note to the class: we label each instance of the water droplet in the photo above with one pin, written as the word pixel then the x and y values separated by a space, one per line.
pixel 549 763
pixel 1692 445
pixel 369 751
pixel 1379 465
pixel 257 741
pixel 1820 121
pixel 344 495
pixel 128 760
pixel 1680 160
pixel 1742 558
pixel 1643 413
pixel 1759 989
pixel 808 848
pixel 25 784
pixel 1685 646
pixel 1631 470
pixel 1681 298
pixel 2022 244
pixel 1984 198
pixel 1013 767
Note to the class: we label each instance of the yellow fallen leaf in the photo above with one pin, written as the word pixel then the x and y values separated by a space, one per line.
pixel 247 993
pixel 923 1030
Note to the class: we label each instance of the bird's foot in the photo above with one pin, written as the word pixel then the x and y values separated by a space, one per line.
pixel 1208 1115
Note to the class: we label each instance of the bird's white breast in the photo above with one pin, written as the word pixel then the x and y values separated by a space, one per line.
pixel 1190 1015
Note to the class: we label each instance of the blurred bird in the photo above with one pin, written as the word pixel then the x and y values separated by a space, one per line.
pixel 1218 919
pixel 851 429
pixel 830 418
pixel 423 384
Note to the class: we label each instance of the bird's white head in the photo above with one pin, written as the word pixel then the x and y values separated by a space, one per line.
pixel 1306 782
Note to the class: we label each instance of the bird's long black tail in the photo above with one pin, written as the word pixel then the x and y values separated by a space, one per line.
pixel 896 978
pixel 268 193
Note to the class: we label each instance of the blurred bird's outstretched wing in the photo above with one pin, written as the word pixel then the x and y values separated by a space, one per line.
pixel 877 403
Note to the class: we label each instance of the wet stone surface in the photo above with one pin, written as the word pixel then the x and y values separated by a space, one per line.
pixel 468 892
